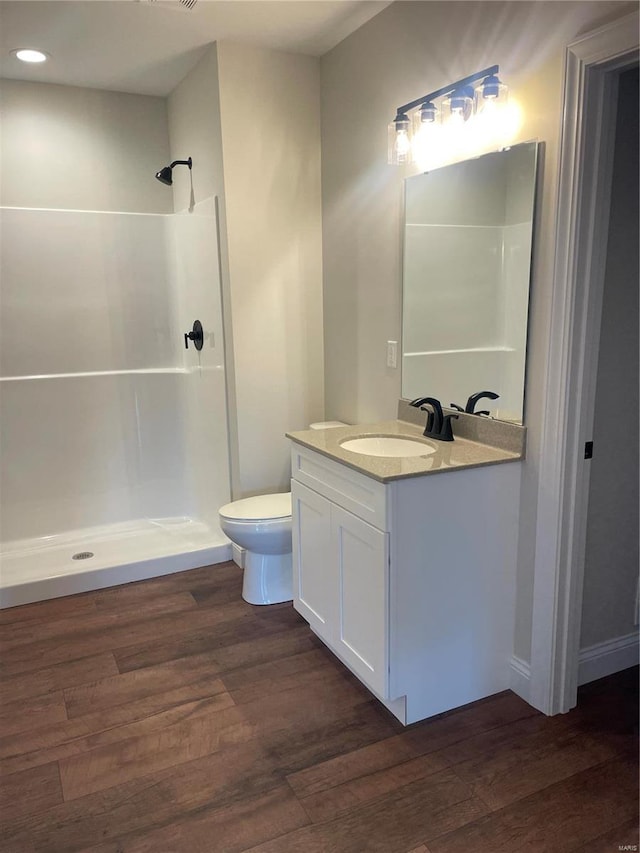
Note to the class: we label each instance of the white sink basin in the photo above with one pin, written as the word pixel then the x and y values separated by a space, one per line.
pixel 388 445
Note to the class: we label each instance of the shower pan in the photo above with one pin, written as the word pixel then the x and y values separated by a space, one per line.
pixel 113 436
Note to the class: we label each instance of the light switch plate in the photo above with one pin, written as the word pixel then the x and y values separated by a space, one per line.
pixel 392 353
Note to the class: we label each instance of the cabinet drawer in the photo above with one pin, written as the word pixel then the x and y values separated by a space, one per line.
pixel 355 492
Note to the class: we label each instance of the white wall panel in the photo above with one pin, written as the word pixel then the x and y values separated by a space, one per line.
pixel 104 415
pixel 120 422
pixel 452 291
pixel 89 450
pixel 197 295
pixel 84 291
pixel 452 376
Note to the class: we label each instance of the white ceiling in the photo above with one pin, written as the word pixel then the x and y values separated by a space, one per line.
pixel 148 46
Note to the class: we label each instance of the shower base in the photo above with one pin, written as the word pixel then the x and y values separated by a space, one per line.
pixel 42 568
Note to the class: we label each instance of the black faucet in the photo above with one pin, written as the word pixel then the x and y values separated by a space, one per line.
pixel 438 424
pixel 469 409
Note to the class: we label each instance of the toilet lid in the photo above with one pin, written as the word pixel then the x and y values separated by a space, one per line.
pixel 258 508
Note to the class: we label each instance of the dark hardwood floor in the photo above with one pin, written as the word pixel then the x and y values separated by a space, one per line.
pixel 169 716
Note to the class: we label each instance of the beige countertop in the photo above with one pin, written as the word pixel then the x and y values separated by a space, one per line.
pixel 450 455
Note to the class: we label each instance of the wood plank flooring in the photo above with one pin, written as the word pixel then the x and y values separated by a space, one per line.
pixel 169 716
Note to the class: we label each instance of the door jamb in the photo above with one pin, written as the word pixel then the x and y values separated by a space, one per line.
pixel 584 187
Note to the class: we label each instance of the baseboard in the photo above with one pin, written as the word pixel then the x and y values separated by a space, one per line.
pixel 237 554
pixel 594 662
pixel 604 659
pixel 520 678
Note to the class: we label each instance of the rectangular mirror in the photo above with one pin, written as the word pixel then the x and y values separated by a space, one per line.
pixel 467 261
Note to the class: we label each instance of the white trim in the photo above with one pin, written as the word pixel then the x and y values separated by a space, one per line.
pixel 520 677
pixel 582 212
pixel 238 554
pixel 604 659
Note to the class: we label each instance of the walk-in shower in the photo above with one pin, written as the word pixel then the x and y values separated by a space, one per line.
pixel 113 435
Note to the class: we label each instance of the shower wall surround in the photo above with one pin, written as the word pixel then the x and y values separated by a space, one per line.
pixel 104 415
pixel 195 276
pixel 113 437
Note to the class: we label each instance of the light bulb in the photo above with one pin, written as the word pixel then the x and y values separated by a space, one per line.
pixel 491 94
pixel 403 145
pixel 459 103
pixel 399 141
pixel 429 147
pixel 498 121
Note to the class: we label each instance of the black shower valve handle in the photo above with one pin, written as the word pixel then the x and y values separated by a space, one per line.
pixel 196 335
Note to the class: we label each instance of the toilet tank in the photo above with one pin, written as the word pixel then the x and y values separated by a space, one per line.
pixel 326 424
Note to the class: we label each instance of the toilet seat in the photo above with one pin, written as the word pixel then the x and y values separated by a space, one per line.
pixel 258 508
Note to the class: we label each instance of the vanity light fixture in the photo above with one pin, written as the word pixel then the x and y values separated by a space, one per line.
pixel 30 54
pixel 461 101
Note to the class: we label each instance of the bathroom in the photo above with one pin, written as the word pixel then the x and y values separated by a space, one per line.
pixel 306 228
pixel 113 423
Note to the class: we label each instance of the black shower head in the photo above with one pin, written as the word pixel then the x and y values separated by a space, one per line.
pixel 165 175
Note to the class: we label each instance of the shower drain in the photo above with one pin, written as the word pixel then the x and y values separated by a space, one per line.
pixel 82 555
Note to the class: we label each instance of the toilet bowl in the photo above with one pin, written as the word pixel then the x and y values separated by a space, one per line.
pixel 262 526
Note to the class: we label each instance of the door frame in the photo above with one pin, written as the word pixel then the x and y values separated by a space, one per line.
pixel 592 67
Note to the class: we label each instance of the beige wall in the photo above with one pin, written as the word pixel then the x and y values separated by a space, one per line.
pixel 82 149
pixel 611 560
pixel 270 122
pixel 407 50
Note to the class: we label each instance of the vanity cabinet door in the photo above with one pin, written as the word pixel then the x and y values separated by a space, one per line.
pixel 314 595
pixel 361 555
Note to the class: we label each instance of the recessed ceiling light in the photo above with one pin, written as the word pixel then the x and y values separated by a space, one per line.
pixel 29 54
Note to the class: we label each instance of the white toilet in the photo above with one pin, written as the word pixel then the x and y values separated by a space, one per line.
pixel 262 526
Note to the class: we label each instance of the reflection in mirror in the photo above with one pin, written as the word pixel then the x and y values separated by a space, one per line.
pixel 467 260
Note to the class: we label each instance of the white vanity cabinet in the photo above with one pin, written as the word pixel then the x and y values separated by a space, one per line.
pixel 410 582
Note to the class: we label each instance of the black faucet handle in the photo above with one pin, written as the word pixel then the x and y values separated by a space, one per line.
pixel 438 424
pixel 456 407
pixel 434 421
pixel 436 405
pixel 446 433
